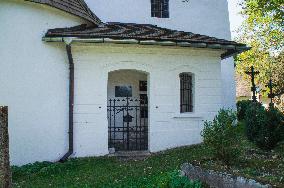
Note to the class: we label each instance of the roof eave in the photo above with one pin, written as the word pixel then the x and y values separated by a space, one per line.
pixel 231 50
pixel 232 53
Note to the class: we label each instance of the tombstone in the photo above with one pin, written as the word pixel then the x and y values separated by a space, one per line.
pixel 252 73
pixel 5 172
pixel 271 95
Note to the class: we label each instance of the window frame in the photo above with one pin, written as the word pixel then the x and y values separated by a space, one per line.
pixel 160 8
pixel 186 99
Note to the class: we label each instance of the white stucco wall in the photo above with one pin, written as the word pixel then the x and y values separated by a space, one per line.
pixel 168 128
pixel 34 84
pixel 208 17
pixel 34 81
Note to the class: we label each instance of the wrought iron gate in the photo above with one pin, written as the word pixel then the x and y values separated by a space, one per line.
pixel 128 124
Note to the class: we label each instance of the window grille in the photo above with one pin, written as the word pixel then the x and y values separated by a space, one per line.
pixel 160 8
pixel 186 94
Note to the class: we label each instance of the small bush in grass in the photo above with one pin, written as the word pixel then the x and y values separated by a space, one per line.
pixel 221 136
pixel 264 127
pixel 242 106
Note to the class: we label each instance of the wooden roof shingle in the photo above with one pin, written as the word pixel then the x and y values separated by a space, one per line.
pixel 135 31
pixel 146 32
pixel 76 7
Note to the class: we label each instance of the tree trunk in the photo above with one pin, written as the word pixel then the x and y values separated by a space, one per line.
pixel 5 173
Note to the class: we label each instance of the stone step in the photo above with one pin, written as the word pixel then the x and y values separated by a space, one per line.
pixel 131 155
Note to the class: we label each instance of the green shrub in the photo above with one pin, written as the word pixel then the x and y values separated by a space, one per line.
pixel 242 106
pixel 254 118
pixel 174 180
pixel 264 127
pixel 221 136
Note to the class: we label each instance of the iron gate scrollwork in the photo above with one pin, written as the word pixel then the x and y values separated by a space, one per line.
pixel 128 124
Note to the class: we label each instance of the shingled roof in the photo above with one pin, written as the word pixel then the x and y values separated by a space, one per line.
pixel 75 7
pixel 146 32
pixel 138 33
pixel 133 31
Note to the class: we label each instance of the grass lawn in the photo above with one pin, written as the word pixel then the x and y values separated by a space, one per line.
pixel 265 167
pixel 105 171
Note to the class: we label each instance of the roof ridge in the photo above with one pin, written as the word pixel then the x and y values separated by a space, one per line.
pixel 85 6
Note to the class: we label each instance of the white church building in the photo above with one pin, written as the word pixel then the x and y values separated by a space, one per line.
pixel 86 78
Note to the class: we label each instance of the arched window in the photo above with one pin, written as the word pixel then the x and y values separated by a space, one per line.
pixel 160 8
pixel 186 92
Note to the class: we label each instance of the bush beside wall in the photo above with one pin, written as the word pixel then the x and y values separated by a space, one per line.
pixel 265 127
pixel 221 136
pixel 242 106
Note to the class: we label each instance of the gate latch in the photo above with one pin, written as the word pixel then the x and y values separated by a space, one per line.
pixel 127 118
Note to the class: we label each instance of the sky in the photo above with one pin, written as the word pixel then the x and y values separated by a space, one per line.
pixel 235 18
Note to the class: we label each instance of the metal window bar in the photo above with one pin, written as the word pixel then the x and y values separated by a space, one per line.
pixel 186 102
pixel 160 8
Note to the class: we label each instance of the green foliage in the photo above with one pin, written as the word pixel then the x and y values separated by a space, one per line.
pixel 242 106
pixel 274 8
pixel 220 136
pixel 278 74
pixel 254 118
pixel 174 180
pixel 278 80
pixel 264 127
pixel 274 131
pixel 263 31
pixel 261 24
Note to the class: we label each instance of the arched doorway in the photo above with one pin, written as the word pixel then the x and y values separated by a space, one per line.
pixel 128 110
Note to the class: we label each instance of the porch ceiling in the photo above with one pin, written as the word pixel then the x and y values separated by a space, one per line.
pixel 144 34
